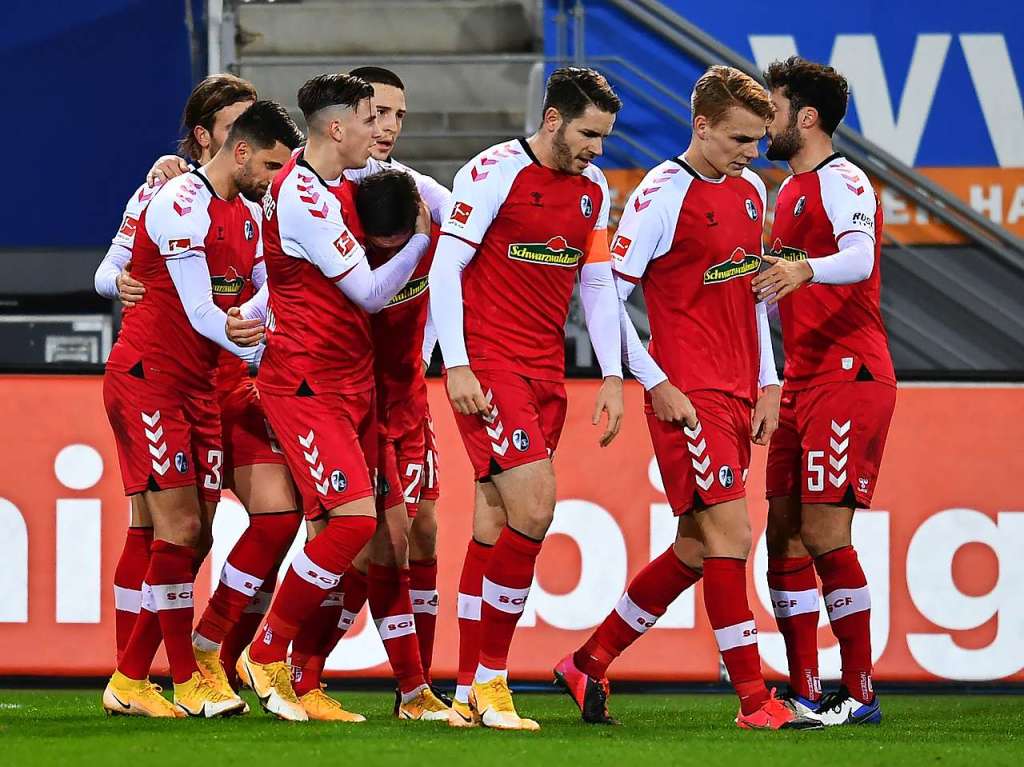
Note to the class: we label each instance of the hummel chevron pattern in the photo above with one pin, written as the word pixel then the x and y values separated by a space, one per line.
pixel 495 430
pixel 699 458
pixel 315 465
pixel 157 444
pixel 838 456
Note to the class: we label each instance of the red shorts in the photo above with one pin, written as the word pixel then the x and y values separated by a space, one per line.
pixel 523 425
pixel 830 441
pixel 431 489
pixel 330 445
pixel 246 433
pixel 708 464
pixel 165 439
pixel 401 470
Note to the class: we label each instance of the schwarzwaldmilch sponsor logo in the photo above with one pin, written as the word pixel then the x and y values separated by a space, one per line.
pixel 784 251
pixel 554 252
pixel 228 284
pixel 413 288
pixel 739 264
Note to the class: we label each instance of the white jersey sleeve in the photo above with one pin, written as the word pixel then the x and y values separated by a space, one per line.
pixel 480 189
pixel 132 213
pixel 433 193
pixel 848 198
pixel 178 219
pixel 648 222
pixel 312 227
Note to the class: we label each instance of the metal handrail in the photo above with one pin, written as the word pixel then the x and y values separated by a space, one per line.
pixel 926 193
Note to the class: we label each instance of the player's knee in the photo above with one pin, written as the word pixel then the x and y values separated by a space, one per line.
pixel 187 530
pixel 821 537
pixel 690 552
pixel 422 540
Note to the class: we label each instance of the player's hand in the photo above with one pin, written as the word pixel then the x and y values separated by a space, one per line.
pixel 765 418
pixel 423 220
pixel 129 290
pixel 241 331
pixel 781 279
pixel 609 400
pixel 672 406
pixel 464 391
pixel 165 168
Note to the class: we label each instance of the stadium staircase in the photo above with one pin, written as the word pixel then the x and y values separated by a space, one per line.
pixel 466 63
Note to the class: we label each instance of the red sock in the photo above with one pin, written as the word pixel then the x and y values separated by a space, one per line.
pixel 725 599
pixel 505 589
pixel 244 630
pixel 171 579
pixel 314 571
pixel 308 655
pixel 470 588
pixel 849 610
pixel 794 591
pixel 649 594
pixel 263 543
pixel 144 641
pixel 388 592
pixel 128 576
pixel 423 592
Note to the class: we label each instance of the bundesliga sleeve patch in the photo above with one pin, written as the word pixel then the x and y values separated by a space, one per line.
pixel 128 226
pixel 460 213
pixel 345 244
pixel 620 247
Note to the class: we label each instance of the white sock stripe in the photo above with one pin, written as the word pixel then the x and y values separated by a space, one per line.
pixel 786 604
pixel 737 635
pixel 311 572
pixel 347 619
pixel 394 626
pixel 240 581
pixel 173 596
pixel 635 616
pixel 469 607
pixel 148 602
pixel 424 601
pixel 843 602
pixel 504 598
pixel 260 603
pixel 127 600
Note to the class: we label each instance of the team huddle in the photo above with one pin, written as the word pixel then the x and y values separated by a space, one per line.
pixel 283 297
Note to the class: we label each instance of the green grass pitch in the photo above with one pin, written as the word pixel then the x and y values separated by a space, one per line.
pixel 59 727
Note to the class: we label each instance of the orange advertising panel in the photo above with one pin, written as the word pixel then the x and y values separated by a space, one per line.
pixel 942 549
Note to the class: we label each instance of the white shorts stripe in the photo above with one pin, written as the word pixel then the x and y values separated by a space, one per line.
pixel 260 603
pixel 347 619
pixel 395 626
pixel 127 600
pixel 789 603
pixel 503 598
pixel 173 596
pixel 737 635
pixel 239 581
pixel 311 572
pixel 843 602
pixel 424 601
pixel 635 616
pixel 469 607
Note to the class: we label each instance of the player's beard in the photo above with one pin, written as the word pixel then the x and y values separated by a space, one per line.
pixel 562 154
pixel 784 146
pixel 248 187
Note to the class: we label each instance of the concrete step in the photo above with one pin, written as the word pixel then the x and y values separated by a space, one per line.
pixel 449 84
pixel 355 27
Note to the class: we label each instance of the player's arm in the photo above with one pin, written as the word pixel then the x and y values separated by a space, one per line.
pixel 429 339
pixel 165 168
pixel 113 279
pixel 765 418
pixel 246 324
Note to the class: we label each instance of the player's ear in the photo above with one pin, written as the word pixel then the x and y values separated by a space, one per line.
pixel 700 126
pixel 202 136
pixel 552 119
pixel 242 152
pixel 808 117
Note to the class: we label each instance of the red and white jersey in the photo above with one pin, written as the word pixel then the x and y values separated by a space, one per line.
pixel 694 245
pixel 317 339
pixel 534 228
pixel 397 349
pixel 133 209
pixel 830 332
pixel 185 217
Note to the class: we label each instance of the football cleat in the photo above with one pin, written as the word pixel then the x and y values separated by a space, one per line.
pixel 462 715
pixel 840 708
pixel 425 707
pixel 132 697
pixel 321 707
pixel 492 702
pixel 441 695
pixel 272 683
pixel 210 666
pixel 590 694
pixel 201 697
pixel 775 714
pixel 801 706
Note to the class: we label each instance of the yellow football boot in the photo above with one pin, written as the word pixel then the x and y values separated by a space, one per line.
pixel 425 707
pixel 272 683
pixel 321 707
pixel 211 667
pixel 462 715
pixel 131 697
pixel 201 697
pixel 492 702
